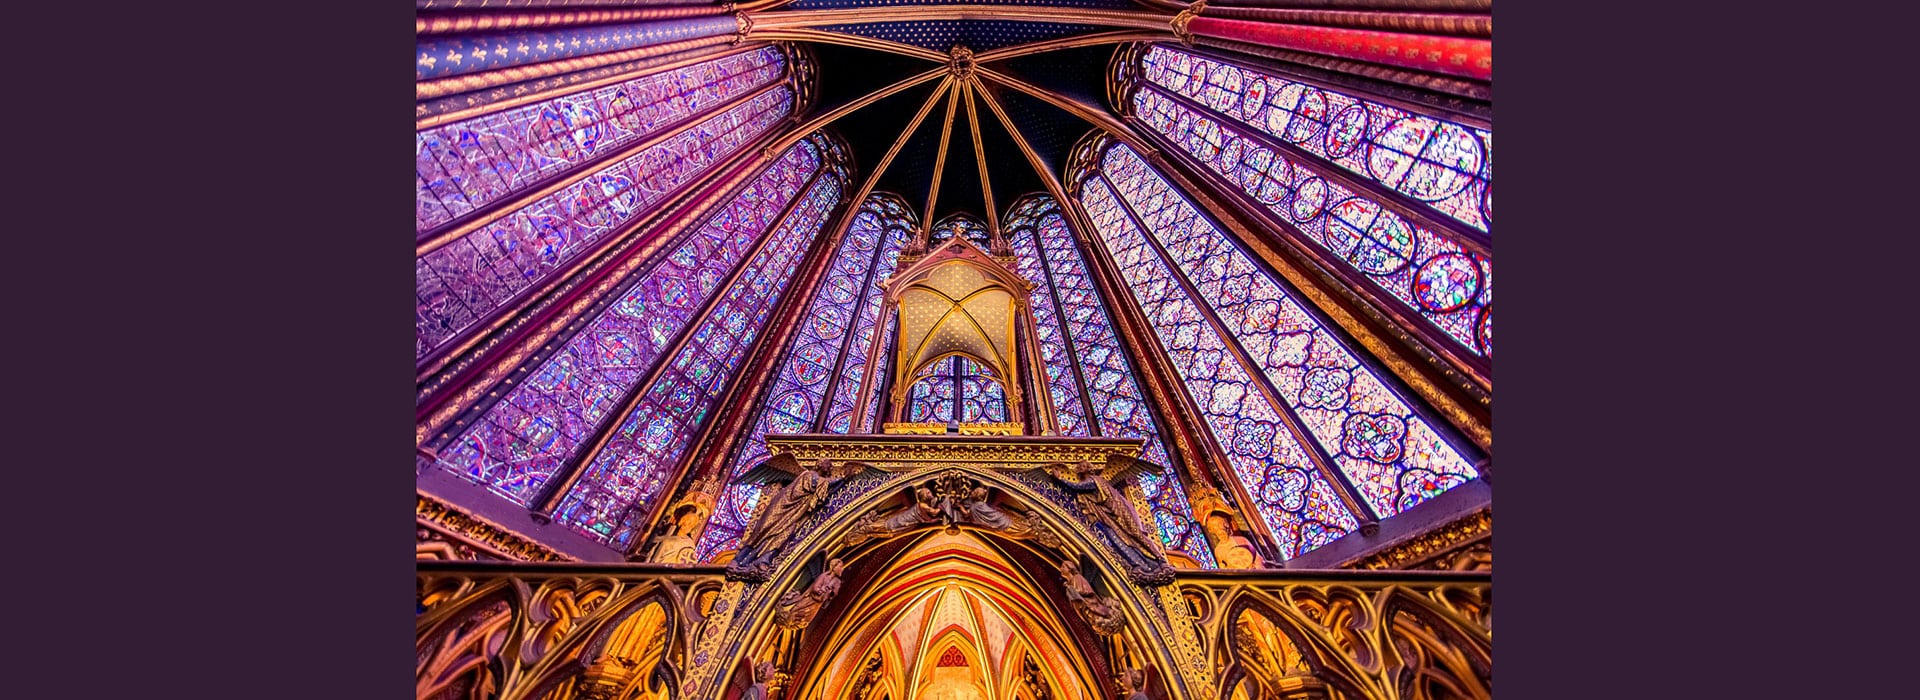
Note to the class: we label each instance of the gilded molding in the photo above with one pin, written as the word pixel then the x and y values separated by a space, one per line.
pixel 1185 17
pixel 1432 544
pixel 480 532
pixel 908 452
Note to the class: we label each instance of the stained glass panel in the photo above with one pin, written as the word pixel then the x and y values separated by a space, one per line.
pixel 617 488
pixel 1294 500
pixel 959 225
pixel 1446 165
pixel 850 290
pixel 1386 451
pixel 519 443
pixel 1119 406
pixel 470 163
pixel 1430 274
pixel 464 280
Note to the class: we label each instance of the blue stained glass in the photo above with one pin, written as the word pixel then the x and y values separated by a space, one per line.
pixel 1386 451
pixel 633 472
pixel 1045 253
pixel 572 391
pixel 849 296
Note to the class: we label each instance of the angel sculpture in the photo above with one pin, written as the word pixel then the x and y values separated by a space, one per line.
pixel 924 509
pixel 797 608
pixel 1102 498
pixel 1101 612
pixel 783 507
pixel 1134 681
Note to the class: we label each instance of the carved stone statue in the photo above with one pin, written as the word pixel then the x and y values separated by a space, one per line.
pixel 924 509
pixel 980 511
pixel 783 507
pixel 1134 682
pixel 762 676
pixel 1222 525
pixel 797 608
pixel 1100 612
pixel 1103 500
pixel 689 520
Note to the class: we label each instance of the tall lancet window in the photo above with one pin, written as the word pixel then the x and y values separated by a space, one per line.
pixel 1087 372
pixel 1402 199
pixel 505 200
pixel 637 379
pixel 828 358
pixel 1311 431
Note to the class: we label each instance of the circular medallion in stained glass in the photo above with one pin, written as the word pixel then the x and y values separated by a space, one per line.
pixel 1446 282
pixel 1347 131
pixel 1253 99
pixel 1309 200
pixel 1484 330
pixel 1305 110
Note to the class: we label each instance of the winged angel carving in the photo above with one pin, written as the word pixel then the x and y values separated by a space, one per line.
pixel 1101 492
pixel 792 493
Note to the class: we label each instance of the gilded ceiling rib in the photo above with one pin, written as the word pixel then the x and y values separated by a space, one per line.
pixel 793 19
pixel 959 305
pixel 874 349
pixel 1191 445
pixel 830 116
pixel 980 159
pixel 939 167
pixel 710 456
pixel 1093 115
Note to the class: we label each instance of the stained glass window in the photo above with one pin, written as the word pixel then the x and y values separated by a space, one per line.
pixel 521 441
pixel 957 389
pixel 1079 348
pixel 1208 108
pixel 1448 166
pixel 1224 320
pixel 461 280
pixel 964 225
pixel 849 295
pixel 473 162
pixel 617 488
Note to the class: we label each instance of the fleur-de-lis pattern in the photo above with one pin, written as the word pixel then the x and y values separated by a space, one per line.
pixel 460 55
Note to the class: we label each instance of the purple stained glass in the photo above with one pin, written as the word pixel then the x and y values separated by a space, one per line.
pixel 963 225
pixel 467 278
pixel 1386 451
pixel 1295 501
pixel 1430 274
pixel 1055 266
pixel 1446 165
pixel 892 214
pixel 518 444
pixel 851 289
pixel 851 286
pixel 470 163
pixel 617 488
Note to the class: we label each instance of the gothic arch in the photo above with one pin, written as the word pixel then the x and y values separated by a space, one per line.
pixel 753 627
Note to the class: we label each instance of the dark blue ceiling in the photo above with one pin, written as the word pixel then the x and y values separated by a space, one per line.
pixel 979 35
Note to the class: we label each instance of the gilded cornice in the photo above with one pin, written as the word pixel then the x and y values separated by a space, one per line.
pixel 480 532
pixel 1409 553
pixel 898 452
